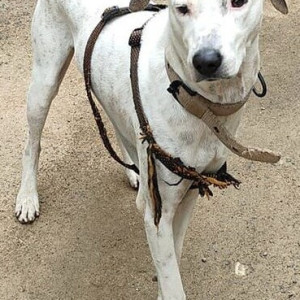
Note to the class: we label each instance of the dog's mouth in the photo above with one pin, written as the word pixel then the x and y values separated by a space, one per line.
pixel 212 78
pixel 221 74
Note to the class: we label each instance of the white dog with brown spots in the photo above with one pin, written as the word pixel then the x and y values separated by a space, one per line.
pixel 213 47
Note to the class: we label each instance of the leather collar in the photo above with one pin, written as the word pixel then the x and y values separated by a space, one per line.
pixel 209 112
pixel 195 103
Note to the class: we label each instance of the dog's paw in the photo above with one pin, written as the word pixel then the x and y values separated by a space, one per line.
pixel 133 179
pixel 27 207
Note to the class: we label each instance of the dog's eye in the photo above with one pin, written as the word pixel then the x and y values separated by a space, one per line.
pixel 183 9
pixel 238 3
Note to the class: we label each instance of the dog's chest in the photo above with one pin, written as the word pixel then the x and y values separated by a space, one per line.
pixel 187 137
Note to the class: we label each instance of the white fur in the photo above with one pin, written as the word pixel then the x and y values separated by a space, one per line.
pixel 59 26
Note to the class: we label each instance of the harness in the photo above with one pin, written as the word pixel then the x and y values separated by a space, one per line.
pixel 191 101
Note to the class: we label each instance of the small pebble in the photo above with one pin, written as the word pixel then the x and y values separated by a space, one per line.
pixel 240 270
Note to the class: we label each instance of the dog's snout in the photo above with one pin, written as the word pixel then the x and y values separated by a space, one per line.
pixel 207 61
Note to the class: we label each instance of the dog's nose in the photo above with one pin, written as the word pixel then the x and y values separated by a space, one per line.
pixel 207 61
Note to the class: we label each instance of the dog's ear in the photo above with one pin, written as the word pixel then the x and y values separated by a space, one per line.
pixel 137 5
pixel 280 5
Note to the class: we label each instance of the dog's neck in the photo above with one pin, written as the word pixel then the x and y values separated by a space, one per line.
pixel 224 90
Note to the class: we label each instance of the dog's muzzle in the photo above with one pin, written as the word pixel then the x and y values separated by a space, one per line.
pixel 207 62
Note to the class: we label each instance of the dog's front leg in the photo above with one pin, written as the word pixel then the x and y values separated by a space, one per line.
pixel 161 238
pixel 161 243
pixel 53 51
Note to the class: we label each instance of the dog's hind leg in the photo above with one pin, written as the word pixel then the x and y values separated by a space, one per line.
pixel 132 176
pixel 52 53
pixel 182 219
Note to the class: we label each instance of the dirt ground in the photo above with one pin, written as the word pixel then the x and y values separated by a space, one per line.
pixel 89 242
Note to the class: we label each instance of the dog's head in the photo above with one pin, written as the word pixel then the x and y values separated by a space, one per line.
pixel 211 37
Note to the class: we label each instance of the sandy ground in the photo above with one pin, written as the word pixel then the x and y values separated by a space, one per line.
pixel 89 242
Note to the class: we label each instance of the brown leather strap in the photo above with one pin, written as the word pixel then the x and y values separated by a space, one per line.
pixel 108 15
pixel 135 43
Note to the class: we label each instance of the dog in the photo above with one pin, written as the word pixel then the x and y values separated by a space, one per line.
pixel 213 47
